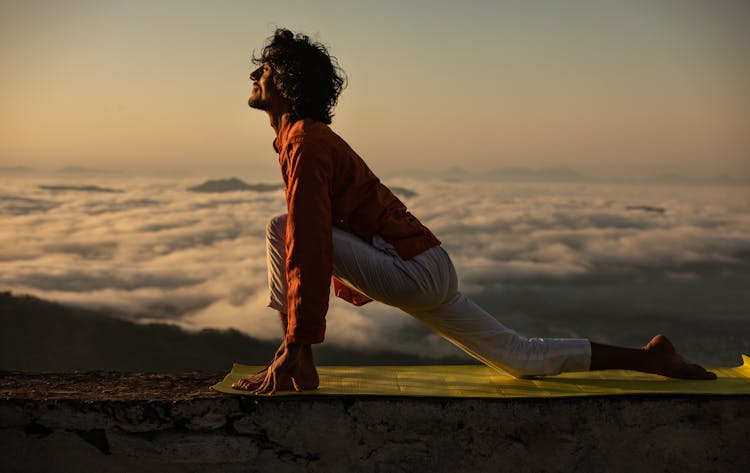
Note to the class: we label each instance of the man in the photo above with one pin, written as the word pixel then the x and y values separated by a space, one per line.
pixel 342 223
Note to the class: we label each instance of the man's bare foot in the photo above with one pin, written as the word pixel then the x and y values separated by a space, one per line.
pixel 663 359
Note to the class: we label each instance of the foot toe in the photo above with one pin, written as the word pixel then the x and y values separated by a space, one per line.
pixel 701 373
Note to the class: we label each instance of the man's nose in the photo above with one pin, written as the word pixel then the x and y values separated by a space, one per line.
pixel 255 74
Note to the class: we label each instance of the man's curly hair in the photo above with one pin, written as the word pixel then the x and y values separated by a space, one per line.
pixel 307 76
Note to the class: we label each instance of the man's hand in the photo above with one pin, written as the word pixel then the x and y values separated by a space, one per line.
pixel 279 372
pixel 253 382
pixel 287 374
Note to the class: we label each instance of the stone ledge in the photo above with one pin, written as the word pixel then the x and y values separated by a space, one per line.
pixel 116 422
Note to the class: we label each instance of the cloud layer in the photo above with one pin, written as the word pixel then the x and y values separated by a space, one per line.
pixel 561 259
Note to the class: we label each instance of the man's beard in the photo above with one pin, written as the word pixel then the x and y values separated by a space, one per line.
pixel 257 103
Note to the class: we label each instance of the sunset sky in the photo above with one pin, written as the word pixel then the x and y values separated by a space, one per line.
pixel 609 87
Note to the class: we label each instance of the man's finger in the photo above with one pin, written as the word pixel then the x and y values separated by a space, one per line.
pixel 239 384
pixel 259 388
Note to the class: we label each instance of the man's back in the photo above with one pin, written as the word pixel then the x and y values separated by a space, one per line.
pixel 359 202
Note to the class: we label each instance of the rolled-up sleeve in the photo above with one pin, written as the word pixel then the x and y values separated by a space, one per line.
pixel 309 266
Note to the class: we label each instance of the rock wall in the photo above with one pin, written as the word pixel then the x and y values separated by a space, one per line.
pixel 208 432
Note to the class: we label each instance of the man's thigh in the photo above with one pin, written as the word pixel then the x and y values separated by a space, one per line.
pixel 371 271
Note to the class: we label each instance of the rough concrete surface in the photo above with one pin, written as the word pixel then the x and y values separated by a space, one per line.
pixel 162 423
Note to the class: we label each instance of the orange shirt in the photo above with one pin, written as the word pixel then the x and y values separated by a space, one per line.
pixel 328 184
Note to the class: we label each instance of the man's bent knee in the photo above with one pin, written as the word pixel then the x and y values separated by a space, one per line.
pixel 276 228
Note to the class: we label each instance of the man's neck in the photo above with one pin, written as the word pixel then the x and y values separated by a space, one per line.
pixel 277 118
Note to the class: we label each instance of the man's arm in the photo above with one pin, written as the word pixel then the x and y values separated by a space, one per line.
pixel 309 264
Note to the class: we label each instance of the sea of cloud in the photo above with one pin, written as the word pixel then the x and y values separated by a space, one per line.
pixel 614 262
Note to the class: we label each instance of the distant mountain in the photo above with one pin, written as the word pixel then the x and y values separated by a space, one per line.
pixel 17 170
pixel 646 208
pixel 509 173
pixel 457 171
pixel 79 188
pixel 233 184
pixel 37 335
pixel 402 191
pixel 729 180
pixel 83 170
pixel 544 174
pixel 679 179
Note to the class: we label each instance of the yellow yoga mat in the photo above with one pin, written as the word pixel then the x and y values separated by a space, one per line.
pixel 479 381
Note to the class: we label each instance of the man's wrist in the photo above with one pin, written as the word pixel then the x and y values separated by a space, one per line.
pixel 294 349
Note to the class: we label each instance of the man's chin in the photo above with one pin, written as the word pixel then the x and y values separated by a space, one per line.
pixel 256 104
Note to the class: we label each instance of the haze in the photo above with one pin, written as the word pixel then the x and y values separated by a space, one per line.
pixel 612 87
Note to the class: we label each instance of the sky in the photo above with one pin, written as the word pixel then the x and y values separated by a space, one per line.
pixel 617 88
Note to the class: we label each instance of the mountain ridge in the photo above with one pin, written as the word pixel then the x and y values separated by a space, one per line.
pixel 39 335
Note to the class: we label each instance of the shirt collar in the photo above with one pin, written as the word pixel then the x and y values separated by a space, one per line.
pixel 284 126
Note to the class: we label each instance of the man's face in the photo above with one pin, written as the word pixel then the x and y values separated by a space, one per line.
pixel 264 94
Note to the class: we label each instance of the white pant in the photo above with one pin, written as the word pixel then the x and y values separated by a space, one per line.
pixel 426 287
